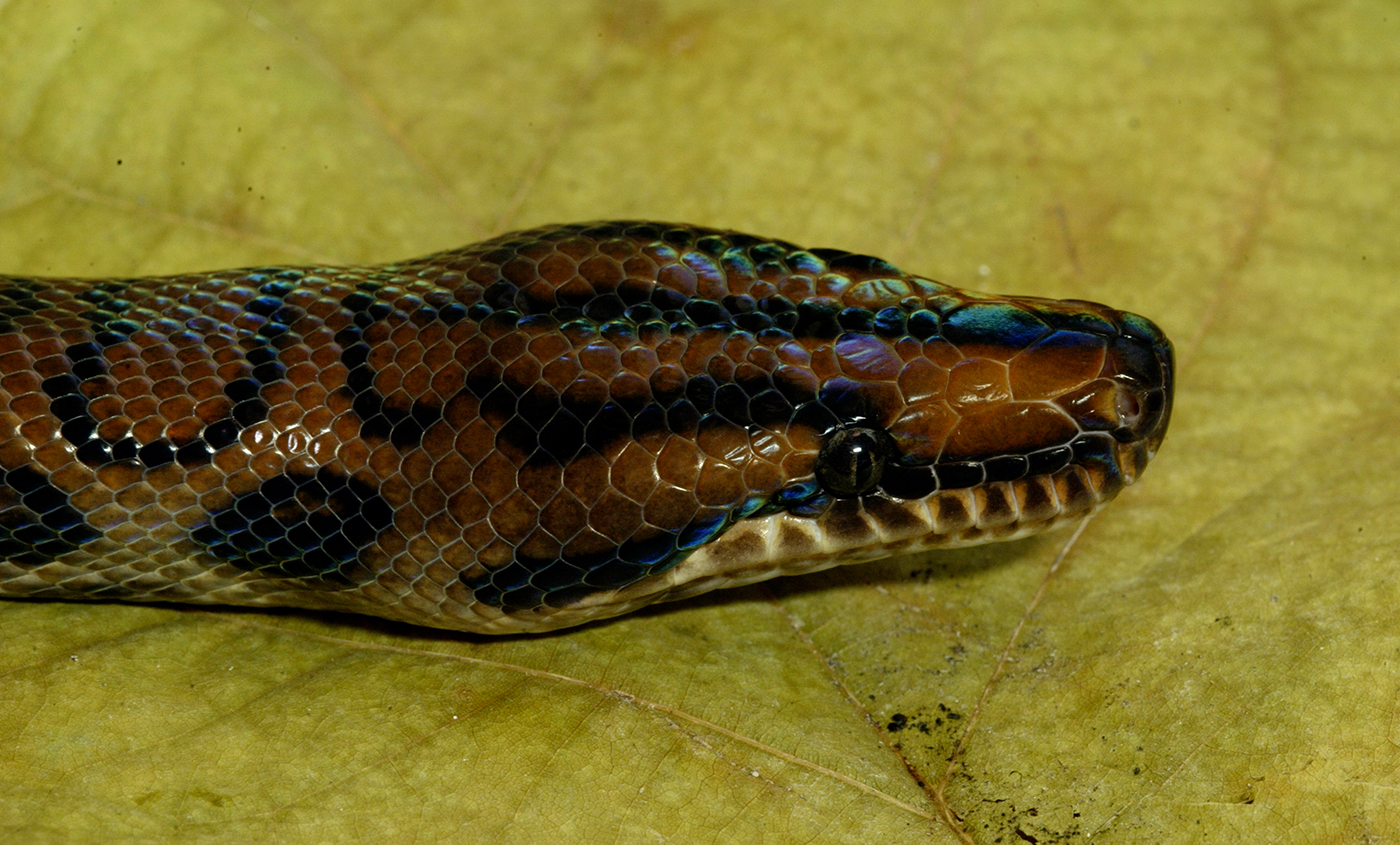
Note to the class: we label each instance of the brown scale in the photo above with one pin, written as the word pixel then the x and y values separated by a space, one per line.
pixel 546 428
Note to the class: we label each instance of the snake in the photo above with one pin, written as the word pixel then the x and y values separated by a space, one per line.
pixel 546 428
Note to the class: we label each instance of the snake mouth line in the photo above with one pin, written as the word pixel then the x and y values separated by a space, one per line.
pixel 914 482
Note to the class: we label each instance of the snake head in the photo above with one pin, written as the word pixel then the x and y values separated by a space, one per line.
pixel 996 390
pixel 757 409
pixel 973 418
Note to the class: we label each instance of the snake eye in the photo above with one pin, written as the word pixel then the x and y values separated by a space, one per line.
pixel 852 461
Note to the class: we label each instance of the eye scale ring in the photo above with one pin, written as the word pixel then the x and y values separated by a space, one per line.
pixel 852 461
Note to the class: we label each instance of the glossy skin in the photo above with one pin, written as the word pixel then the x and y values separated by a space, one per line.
pixel 546 428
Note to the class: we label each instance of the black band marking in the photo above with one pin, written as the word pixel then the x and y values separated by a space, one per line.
pixel 70 404
pixel 300 526
pixel 378 420
pixel 529 582
pixel 42 525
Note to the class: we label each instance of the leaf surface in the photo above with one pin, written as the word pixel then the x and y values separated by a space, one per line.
pixel 1212 659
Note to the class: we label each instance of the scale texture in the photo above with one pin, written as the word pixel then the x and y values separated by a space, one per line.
pixel 546 428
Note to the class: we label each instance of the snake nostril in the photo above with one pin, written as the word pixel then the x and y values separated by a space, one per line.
pixel 1128 407
pixel 1134 419
pixel 1140 414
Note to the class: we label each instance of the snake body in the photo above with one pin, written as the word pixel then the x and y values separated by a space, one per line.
pixel 546 428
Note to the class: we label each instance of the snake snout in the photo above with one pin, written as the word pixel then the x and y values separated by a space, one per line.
pixel 1142 365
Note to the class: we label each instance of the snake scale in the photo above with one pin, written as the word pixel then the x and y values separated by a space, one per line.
pixel 546 428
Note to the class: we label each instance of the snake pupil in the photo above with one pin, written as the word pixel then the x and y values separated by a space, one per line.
pixel 852 461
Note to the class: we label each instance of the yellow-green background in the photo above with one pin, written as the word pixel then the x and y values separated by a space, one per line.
pixel 1215 660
